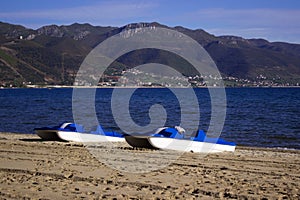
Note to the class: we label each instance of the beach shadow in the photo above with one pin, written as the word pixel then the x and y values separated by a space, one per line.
pixel 32 140
pixel 39 140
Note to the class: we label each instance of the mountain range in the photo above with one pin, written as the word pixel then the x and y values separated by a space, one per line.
pixel 53 54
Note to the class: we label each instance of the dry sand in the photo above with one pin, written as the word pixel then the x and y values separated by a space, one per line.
pixel 35 169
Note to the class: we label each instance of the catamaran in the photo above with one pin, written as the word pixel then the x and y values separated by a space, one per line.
pixel 173 139
pixel 75 133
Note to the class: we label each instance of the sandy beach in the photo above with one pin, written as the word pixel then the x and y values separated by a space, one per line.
pixel 34 169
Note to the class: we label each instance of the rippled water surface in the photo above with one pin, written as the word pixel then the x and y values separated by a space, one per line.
pixel 267 117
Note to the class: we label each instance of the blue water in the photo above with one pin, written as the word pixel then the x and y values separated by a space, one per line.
pixel 263 117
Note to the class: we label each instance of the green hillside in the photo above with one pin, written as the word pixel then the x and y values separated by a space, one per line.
pixel 53 54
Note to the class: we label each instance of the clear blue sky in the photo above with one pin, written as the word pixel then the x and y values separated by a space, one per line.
pixel 275 20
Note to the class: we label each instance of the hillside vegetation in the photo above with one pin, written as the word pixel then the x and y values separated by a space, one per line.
pixel 53 54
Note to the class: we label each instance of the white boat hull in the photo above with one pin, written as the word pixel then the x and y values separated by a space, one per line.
pixel 189 145
pixel 86 137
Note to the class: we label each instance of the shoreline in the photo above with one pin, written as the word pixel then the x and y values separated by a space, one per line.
pixel 238 146
pixel 112 87
pixel 32 168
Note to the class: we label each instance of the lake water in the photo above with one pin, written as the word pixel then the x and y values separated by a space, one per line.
pixel 263 117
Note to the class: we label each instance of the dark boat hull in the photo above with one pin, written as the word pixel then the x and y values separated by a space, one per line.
pixel 139 142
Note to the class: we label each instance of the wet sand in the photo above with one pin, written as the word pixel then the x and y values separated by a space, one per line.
pixel 34 169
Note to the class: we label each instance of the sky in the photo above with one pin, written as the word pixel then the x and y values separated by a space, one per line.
pixel 274 20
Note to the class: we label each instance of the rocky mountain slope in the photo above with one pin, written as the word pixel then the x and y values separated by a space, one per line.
pixel 52 54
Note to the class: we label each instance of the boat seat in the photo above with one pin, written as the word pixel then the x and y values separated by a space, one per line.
pixel 200 136
pixel 99 130
pixel 169 133
pixel 75 128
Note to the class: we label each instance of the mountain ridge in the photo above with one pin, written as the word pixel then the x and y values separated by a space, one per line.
pixel 52 54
